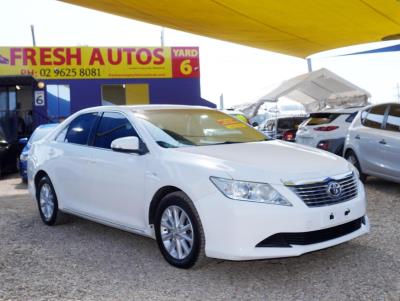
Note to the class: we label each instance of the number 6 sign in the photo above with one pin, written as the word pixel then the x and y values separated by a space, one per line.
pixel 39 98
pixel 185 62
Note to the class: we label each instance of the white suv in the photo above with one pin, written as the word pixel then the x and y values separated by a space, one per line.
pixel 327 130
pixel 373 142
pixel 199 181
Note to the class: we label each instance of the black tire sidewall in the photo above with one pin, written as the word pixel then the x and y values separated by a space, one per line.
pixel 190 260
pixel 53 219
pixel 357 165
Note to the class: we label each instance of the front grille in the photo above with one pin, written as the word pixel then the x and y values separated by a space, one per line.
pixel 285 240
pixel 317 194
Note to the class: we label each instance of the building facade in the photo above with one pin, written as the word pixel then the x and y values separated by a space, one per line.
pixel 46 84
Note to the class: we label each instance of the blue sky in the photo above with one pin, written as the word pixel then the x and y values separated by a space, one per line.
pixel 241 73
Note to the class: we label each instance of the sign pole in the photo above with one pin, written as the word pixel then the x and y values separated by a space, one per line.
pixel 309 65
pixel 33 36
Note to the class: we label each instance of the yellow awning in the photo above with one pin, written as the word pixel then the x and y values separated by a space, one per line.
pixel 294 27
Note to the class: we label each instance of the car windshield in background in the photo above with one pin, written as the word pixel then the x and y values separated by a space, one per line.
pixel 290 123
pixel 196 127
pixel 322 118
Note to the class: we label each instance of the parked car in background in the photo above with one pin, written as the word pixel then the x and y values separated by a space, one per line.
pixel 38 134
pixel 373 142
pixel 327 130
pixel 9 152
pixel 191 178
pixel 237 114
pixel 286 127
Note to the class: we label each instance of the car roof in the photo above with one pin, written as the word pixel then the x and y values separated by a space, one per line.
pixel 47 125
pixel 341 110
pixel 381 103
pixel 288 117
pixel 138 108
pixel 232 112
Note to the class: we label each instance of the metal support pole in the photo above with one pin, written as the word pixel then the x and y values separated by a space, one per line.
pixel 309 65
pixel 221 101
pixel 33 36
pixel 162 37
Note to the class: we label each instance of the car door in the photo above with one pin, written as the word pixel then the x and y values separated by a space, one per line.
pixel 368 137
pixel 116 179
pixel 389 143
pixel 68 163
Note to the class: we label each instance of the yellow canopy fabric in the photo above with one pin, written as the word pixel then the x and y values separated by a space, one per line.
pixel 294 27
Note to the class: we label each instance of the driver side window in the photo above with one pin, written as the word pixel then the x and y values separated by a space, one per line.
pixel 112 126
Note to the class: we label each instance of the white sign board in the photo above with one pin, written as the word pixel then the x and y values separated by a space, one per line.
pixel 39 98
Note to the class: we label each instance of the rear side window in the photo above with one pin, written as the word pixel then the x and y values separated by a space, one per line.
pixel 351 117
pixel 393 120
pixel 322 118
pixel 80 128
pixel 374 118
pixel 112 126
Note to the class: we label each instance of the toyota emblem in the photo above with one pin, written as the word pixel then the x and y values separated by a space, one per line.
pixel 334 189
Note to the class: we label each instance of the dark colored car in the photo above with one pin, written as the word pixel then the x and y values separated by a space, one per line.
pixel 9 152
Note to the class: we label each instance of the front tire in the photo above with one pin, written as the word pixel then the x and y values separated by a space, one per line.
pixel 179 232
pixel 47 203
pixel 352 158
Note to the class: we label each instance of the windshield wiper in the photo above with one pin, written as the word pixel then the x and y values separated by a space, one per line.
pixel 228 142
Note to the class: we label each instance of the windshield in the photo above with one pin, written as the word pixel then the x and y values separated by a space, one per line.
pixel 196 127
pixel 290 123
pixel 322 118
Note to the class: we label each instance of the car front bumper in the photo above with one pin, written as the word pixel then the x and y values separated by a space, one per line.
pixel 233 229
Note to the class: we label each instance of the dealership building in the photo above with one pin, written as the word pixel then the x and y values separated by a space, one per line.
pixel 46 84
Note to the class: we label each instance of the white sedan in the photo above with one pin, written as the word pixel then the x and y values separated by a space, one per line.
pixel 202 183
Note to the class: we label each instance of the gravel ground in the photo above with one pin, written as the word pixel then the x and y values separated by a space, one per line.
pixel 82 260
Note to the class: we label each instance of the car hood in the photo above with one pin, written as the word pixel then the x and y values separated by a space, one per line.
pixel 271 161
pixel 26 148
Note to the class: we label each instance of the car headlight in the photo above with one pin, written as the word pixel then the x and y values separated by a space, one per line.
pixel 356 172
pixel 249 191
pixel 23 157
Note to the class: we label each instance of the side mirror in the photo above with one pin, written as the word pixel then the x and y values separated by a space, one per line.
pixel 129 144
pixel 23 141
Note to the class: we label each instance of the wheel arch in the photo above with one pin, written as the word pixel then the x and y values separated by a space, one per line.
pixel 349 150
pixel 39 175
pixel 162 192
pixel 36 180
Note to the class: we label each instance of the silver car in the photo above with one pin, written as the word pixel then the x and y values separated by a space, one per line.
pixel 373 142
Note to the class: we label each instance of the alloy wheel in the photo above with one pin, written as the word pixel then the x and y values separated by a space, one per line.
pixel 46 201
pixel 176 232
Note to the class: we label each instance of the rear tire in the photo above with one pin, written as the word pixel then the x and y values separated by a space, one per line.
pixel 48 204
pixel 179 232
pixel 352 158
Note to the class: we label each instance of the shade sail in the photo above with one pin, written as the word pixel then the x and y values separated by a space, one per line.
pixel 316 91
pixel 294 27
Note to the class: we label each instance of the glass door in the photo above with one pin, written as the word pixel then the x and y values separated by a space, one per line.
pixel 58 102
pixel 8 114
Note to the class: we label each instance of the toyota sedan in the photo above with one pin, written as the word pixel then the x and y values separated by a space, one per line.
pixel 200 182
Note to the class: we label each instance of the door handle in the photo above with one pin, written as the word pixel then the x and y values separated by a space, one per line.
pixel 382 141
pixel 91 161
pixel 357 137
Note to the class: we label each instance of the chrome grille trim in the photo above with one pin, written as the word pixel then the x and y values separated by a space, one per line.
pixel 316 194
